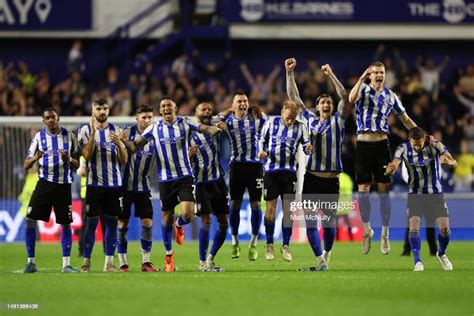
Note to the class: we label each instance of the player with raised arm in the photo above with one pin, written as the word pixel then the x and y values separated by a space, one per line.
pixel 55 149
pixel 278 145
pixel 324 165
pixel 425 193
pixel 136 182
pixel 211 189
pixel 246 172
pixel 105 154
pixel 373 105
pixel 171 135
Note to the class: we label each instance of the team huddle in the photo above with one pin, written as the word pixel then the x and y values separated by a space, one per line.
pixel 263 160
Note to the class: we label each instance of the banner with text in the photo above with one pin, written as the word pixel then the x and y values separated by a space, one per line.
pixel 350 11
pixel 45 15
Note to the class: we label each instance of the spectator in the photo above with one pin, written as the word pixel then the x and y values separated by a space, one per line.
pixel 463 174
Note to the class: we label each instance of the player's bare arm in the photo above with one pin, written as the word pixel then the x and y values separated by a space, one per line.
pixel 71 160
pixel 135 146
pixel 121 149
pixel 392 167
pixel 447 160
pixel 88 149
pixel 407 121
pixel 291 88
pixel 343 108
pixel 209 130
pixel 354 95
pixel 192 152
pixel 225 113
pixel 256 111
pixel 29 162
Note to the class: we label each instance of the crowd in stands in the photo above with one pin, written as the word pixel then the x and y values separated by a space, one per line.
pixel 444 108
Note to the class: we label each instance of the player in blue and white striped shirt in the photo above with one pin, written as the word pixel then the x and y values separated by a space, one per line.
pixel 55 150
pixel 136 182
pixel 425 194
pixel 374 103
pixel 105 153
pixel 211 189
pixel 171 135
pixel 243 130
pixel 324 164
pixel 279 142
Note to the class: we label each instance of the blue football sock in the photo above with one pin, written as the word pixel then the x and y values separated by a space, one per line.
pixel 122 242
pixel 269 230
pixel 219 238
pixel 181 221
pixel 287 231
pixel 385 208
pixel 443 239
pixel 415 243
pixel 167 233
pixel 329 234
pixel 66 240
pixel 314 241
pixel 234 220
pixel 256 220
pixel 89 235
pixel 364 206
pixel 30 238
pixel 146 239
pixel 110 235
pixel 203 241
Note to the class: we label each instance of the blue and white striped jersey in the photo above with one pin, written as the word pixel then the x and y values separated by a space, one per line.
pixel 51 166
pixel 423 167
pixel 135 174
pixel 104 166
pixel 281 144
pixel 327 137
pixel 171 141
pixel 373 108
pixel 244 135
pixel 206 164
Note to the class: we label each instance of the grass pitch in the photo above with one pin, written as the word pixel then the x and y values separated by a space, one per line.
pixel 355 285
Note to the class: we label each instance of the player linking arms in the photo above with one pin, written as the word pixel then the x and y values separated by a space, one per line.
pixel 425 194
pixel 55 149
pixel 136 182
pixel 373 104
pixel 171 135
pixel 211 189
pixel 105 154
pixel 281 136
pixel 324 165
pixel 246 172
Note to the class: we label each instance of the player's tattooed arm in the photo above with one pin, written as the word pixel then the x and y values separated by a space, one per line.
pixel 343 108
pixel 407 121
pixel 354 95
pixel 447 160
pixel 29 162
pixel 134 146
pixel 392 167
pixel 209 130
pixel 291 88
pixel 88 149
